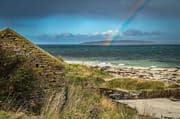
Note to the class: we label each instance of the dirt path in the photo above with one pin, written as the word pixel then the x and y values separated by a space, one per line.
pixel 158 108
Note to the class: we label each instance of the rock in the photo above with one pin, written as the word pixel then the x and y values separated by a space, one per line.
pixel 172 69
pixel 105 67
pixel 158 69
pixel 178 71
pixel 112 70
pixel 164 74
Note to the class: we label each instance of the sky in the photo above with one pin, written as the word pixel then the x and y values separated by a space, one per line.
pixel 78 21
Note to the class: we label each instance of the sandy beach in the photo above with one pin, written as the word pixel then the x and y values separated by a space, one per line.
pixel 156 107
pixel 159 108
pixel 124 71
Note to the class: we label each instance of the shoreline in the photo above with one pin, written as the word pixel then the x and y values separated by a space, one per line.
pixel 125 71
pixel 103 63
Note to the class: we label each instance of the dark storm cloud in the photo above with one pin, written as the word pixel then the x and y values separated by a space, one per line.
pixel 14 23
pixel 105 8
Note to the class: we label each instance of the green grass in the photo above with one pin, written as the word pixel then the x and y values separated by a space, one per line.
pixel 18 82
pixel 83 99
pixel 85 102
pixel 134 84
pixel 173 85
pixel 76 73
pixel 80 74
pixel 138 84
pixel 13 115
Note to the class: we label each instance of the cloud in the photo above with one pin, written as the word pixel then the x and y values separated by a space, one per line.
pixel 65 38
pixel 135 32
pixel 129 32
pixel 109 32
pixel 106 8
pixel 69 38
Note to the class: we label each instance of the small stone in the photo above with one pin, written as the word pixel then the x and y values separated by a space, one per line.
pixel 172 69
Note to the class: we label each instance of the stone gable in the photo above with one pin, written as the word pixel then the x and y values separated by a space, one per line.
pixel 48 68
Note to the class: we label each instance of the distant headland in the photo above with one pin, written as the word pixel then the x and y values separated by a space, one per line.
pixel 129 42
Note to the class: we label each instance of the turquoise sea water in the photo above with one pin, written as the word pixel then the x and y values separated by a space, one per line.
pixel 155 55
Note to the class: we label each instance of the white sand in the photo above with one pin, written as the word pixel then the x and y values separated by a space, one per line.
pixel 158 108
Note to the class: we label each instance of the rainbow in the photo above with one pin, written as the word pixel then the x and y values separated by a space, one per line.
pixel 135 9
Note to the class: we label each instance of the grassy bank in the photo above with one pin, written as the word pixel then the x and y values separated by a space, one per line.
pixel 85 102
pixel 83 98
pixel 76 73
pixel 138 84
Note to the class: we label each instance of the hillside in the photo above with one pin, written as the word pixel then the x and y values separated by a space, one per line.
pixel 83 99
pixel 36 85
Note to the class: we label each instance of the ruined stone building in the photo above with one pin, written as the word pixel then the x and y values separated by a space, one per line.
pixel 48 68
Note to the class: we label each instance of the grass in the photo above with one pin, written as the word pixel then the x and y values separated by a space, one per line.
pixel 138 84
pixel 83 99
pixel 134 84
pixel 85 102
pixel 18 82
pixel 77 73
pixel 13 115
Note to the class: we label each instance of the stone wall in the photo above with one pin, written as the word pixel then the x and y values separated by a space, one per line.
pixel 48 68
pixel 118 94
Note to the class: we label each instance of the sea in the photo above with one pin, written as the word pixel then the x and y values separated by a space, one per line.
pixel 142 55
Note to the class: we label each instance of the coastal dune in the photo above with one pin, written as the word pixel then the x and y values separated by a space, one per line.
pixel 148 73
pixel 152 103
